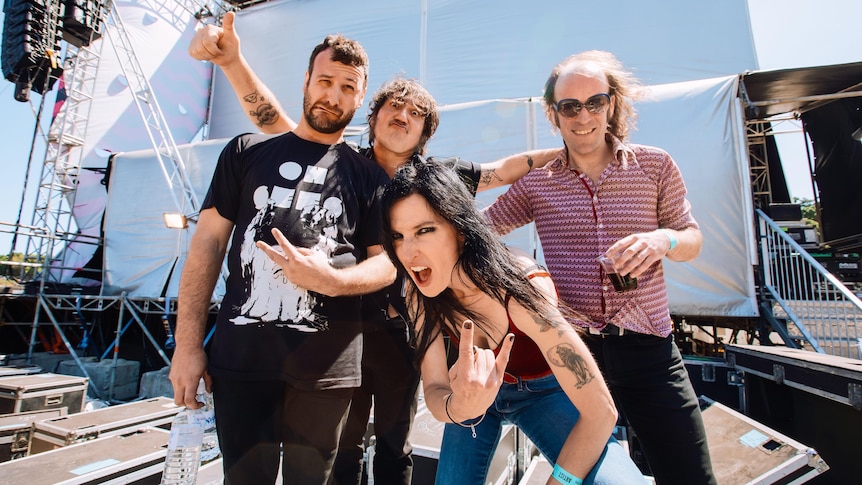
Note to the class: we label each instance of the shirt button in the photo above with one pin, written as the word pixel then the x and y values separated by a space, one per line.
pixel 601 225
pixel 595 198
pixel 604 288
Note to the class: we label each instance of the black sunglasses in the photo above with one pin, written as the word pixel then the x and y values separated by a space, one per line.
pixel 572 107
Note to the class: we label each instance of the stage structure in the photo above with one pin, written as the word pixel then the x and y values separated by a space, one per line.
pixel 115 80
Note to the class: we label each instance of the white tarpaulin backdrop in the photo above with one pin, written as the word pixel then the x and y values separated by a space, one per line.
pixel 159 33
pixel 485 62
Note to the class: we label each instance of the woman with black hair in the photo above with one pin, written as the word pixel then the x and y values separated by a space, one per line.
pixel 519 360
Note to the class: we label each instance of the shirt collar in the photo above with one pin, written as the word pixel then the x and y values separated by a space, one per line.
pixel 623 155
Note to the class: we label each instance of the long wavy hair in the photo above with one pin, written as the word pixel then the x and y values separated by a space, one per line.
pixel 484 260
pixel 622 84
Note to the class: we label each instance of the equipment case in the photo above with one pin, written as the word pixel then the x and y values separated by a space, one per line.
pixel 42 391
pixel 833 377
pixel 109 421
pixel 19 370
pixel 426 436
pixel 814 397
pixel 538 472
pixel 744 451
pixel 16 432
pixel 117 459
pixel 716 379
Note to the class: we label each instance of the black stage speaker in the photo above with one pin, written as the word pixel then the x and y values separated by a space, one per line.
pixel 31 46
pixel 82 21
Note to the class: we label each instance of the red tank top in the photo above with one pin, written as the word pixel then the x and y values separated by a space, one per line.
pixel 526 360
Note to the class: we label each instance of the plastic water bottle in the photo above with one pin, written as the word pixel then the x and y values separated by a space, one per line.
pixel 206 415
pixel 184 450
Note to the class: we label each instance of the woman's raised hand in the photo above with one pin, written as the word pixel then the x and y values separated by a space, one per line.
pixel 477 375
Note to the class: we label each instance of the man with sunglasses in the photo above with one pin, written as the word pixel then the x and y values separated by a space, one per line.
pixel 604 196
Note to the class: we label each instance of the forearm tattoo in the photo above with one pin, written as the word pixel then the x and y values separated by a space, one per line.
pixel 529 163
pixel 266 114
pixel 253 97
pixel 564 355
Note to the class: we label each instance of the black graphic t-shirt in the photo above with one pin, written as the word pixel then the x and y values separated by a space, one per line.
pixel 322 197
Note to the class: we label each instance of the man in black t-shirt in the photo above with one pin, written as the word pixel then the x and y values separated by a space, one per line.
pixel 403 116
pixel 286 353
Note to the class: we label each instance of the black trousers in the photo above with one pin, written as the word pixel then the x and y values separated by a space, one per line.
pixel 650 385
pixel 391 381
pixel 255 419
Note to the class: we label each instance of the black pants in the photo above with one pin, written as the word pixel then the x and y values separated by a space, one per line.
pixel 390 379
pixel 651 387
pixel 255 419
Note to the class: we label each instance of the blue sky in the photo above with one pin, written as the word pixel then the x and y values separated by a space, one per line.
pixel 786 33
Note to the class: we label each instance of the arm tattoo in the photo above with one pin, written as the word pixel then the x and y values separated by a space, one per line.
pixel 564 355
pixel 487 176
pixel 253 97
pixel 266 114
pixel 544 326
pixel 529 163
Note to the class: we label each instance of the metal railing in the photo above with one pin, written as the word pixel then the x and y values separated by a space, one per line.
pixel 820 312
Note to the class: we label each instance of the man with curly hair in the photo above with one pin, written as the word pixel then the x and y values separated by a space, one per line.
pixel 402 117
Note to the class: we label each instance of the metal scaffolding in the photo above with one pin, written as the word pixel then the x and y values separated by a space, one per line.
pixel 53 224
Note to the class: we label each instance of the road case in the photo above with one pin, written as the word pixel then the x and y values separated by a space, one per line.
pixel 716 379
pixel 538 472
pixel 427 436
pixel 744 451
pixel 113 420
pixel 830 376
pixel 42 391
pixel 19 370
pixel 127 458
pixel 16 431
pixel 815 398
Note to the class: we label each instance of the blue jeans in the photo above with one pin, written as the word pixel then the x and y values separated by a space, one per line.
pixel 541 409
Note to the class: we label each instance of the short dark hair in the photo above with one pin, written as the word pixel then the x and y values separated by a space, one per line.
pixel 346 51
pixel 406 91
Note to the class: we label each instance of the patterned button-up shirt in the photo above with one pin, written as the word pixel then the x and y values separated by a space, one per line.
pixel 577 220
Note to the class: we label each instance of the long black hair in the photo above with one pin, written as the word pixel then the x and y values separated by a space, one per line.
pixel 484 260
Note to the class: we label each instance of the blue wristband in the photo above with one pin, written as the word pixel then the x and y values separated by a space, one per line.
pixel 565 477
pixel 672 237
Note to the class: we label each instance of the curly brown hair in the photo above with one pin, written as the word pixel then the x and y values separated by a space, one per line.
pixel 404 90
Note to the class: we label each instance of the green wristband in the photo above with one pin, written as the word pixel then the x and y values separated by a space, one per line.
pixel 565 477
